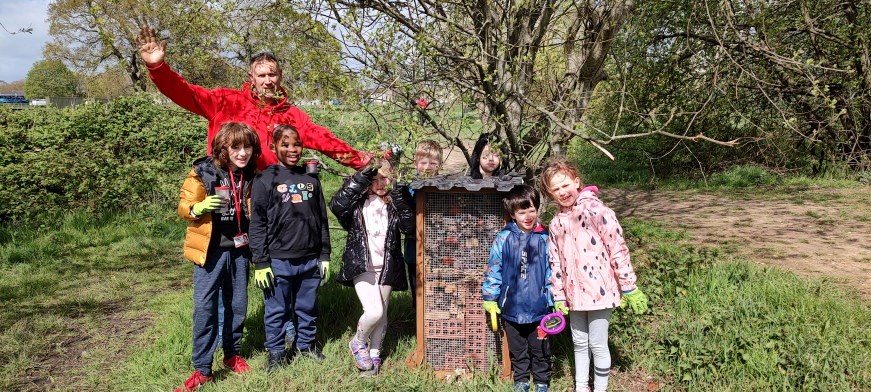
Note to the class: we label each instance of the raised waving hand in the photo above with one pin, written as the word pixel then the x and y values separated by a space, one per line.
pixel 151 50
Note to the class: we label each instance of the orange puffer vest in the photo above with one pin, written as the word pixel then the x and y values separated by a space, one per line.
pixel 198 235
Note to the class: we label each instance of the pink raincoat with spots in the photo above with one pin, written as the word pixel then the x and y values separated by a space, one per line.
pixel 588 257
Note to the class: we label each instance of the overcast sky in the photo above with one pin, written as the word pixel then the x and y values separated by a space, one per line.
pixel 19 51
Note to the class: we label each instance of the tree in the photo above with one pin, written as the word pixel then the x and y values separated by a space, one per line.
pixel 111 83
pixel 12 87
pixel 310 55
pixel 530 68
pixel 790 79
pixel 210 42
pixel 50 78
pixel 96 34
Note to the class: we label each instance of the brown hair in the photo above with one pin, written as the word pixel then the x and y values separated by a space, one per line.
pixel 553 167
pixel 234 134
pixel 428 149
pixel 385 168
pixel 265 57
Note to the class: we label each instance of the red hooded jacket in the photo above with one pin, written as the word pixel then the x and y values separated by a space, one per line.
pixel 223 105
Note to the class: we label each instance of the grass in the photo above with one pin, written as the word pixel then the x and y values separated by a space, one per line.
pixel 720 323
pixel 104 303
pixel 765 330
pixel 65 285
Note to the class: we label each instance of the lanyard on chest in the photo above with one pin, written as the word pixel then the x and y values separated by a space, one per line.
pixel 237 197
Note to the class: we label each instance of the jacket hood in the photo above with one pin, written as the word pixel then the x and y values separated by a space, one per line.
pixel 512 227
pixel 281 106
pixel 587 195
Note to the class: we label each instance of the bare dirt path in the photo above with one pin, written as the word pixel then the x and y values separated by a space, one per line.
pixel 815 232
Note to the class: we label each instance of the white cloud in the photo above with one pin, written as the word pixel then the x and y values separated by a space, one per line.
pixel 19 51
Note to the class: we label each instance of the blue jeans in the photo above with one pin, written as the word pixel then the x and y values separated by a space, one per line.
pixel 220 314
pixel 225 271
pixel 294 292
pixel 289 329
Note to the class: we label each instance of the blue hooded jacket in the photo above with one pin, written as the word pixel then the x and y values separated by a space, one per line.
pixel 518 274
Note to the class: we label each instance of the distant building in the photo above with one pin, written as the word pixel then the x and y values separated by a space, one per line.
pixel 378 96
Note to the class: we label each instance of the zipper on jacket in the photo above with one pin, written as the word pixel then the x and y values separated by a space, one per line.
pixel 505 298
pixel 386 249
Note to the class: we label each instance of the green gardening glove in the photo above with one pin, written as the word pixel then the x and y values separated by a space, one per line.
pixel 636 300
pixel 560 306
pixel 492 308
pixel 324 269
pixel 263 277
pixel 210 204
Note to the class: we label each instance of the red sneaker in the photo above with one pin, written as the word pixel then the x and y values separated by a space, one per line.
pixel 237 364
pixel 195 381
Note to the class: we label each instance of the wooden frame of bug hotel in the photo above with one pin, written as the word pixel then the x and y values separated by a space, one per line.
pixel 457 220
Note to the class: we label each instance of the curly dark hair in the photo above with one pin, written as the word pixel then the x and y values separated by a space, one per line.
pixel 280 129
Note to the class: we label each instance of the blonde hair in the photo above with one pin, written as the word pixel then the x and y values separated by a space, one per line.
pixel 428 149
pixel 556 166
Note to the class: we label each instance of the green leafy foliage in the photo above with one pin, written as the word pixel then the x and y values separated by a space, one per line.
pixel 209 42
pixel 743 176
pixel 50 78
pixel 757 72
pixel 96 156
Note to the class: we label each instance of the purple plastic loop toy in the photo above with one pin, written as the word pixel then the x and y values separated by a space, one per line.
pixel 553 323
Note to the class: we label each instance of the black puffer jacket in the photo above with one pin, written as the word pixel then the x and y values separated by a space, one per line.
pixel 347 205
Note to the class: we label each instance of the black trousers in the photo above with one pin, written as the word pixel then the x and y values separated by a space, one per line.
pixel 528 352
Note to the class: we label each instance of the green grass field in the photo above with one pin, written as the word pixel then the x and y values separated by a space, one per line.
pixel 104 303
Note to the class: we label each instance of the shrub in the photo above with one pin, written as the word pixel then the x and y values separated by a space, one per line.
pixel 742 177
pixel 96 156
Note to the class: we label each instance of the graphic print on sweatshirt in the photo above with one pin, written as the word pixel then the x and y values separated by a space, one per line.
pixel 295 193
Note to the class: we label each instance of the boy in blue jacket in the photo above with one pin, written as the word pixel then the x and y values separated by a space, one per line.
pixel 516 285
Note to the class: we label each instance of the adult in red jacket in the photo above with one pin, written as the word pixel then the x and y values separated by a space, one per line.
pixel 261 103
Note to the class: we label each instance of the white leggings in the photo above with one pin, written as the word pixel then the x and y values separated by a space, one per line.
pixel 373 323
pixel 590 334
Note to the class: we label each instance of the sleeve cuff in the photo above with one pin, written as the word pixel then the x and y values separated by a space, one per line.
pixel 152 68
